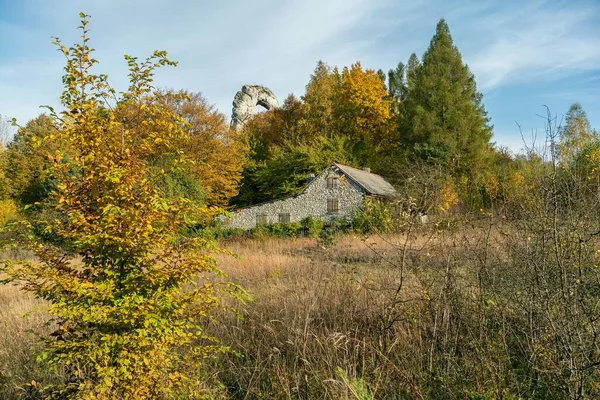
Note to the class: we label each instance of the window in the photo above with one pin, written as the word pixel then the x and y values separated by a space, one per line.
pixel 332 181
pixel 284 218
pixel 332 206
pixel 261 219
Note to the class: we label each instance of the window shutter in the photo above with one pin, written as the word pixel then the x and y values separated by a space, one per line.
pixel 332 206
pixel 261 219
pixel 332 181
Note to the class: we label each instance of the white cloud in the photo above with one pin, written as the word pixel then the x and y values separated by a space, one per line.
pixel 540 41
pixel 223 45
pixel 220 47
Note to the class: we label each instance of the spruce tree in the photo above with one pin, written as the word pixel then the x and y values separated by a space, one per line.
pixel 412 69
pixel 397 88
pixel 402 82
pixel 445 118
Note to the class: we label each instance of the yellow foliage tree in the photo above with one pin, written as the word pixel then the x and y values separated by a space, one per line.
pixel 120 282
pixel 8 209
pixel 216 150
pixel 447 198
pixel 575 136
pixel 364 107
pixel 28 159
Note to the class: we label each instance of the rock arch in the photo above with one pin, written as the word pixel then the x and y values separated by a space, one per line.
pixel 246 100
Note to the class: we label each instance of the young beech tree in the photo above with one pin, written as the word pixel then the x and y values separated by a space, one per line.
pixel 120 282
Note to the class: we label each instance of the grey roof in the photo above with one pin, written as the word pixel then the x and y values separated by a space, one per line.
pixel 372 183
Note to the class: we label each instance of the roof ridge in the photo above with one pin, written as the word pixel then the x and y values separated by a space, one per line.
pixel 369 181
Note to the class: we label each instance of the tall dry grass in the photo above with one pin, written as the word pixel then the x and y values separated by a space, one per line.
pixel 427 314
pixel 311 311
pixel 20 318
pixel 316 310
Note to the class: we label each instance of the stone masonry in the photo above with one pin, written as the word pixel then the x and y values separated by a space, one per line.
pixel 311 202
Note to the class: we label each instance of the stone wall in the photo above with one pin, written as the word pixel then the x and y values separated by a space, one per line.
pixel 312 202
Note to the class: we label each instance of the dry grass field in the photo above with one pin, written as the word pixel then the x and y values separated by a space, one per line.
pixel 431 314
pixel 317 309
pixel 17 340
pixel 311 306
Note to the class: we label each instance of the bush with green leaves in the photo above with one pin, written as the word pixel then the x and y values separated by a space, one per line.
pixel 312 226
pixel 374 217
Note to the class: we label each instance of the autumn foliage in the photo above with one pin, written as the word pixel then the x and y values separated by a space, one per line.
pixel 479 281
pixel 343 116
pixel 119 281
pixel 215 149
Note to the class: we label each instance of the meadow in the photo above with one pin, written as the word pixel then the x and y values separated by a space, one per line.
pixel 497 297
pixel 378 316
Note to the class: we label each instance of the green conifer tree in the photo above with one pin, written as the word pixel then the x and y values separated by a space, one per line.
pixel 445 118
pixel 411 71
pixel 397 88
pixel 318 100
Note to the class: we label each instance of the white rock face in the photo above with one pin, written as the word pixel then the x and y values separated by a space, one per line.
pixel 246 100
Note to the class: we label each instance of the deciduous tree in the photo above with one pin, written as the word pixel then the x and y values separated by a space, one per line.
pixel 362 109
pixel 217 151
pixel 576 134
pixel 119 280
pixel 28 160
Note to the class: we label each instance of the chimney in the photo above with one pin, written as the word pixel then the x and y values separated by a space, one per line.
pixel 367 169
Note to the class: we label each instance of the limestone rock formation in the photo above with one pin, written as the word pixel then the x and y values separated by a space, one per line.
pixel 246 100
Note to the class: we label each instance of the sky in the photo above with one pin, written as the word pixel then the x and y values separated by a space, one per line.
pixel 524 54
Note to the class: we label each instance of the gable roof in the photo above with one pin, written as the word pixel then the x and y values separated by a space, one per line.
pixel 372 183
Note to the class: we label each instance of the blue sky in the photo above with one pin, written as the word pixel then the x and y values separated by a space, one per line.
pixel 523 53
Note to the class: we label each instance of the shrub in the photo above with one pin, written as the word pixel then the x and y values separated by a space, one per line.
pixel 341 226
pixel 282 230
pixel 312 226
pixel 8 211
pixel 213 233
pixel 260 231
pixel 290 229
pixel 373 217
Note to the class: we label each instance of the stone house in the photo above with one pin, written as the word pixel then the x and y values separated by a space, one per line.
pixel 336 193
